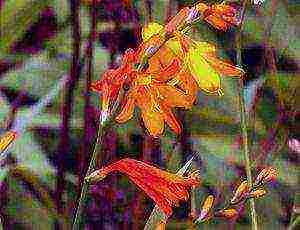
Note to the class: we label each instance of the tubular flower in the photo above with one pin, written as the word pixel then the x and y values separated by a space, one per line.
pixel 112 81
pixel 204 65
pixel 155 100
pixel 164 188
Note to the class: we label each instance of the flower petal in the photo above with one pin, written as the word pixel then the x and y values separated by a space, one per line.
pixel 217 22
pixel 127 111
pixel 171 119
pixel 222 67
pixel 206 77
pixel 151 29
pixel 173 97
pixel 169 71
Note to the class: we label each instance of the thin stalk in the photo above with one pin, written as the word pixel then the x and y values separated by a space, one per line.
pixel 85 186
pixel 243 118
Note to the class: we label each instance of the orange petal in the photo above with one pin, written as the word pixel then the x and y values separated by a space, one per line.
pixel 173 97
pixel 222 67
pixel 127 111
pixel 169 71
pixel 177 20
pixel 217 22
pixel 171 120
pixel 154 122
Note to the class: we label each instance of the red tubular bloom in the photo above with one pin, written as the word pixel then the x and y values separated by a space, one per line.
pixel 166 189
pixel 113 79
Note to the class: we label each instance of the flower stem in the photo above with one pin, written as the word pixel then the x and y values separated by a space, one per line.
pixel 85 186
pixel 243 118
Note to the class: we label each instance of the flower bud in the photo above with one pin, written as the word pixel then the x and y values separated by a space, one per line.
pixel 240 192
pixel 266 175
pixel 6 139
pixel 226 213
pixel 206 209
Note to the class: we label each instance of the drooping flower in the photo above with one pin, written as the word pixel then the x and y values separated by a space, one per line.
pixel 164 188
pixel 6 139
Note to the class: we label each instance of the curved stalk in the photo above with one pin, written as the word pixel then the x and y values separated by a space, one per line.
pixel 243 118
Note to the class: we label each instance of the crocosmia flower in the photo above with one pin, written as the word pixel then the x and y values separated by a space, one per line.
pixel 111 82
pixel 164 188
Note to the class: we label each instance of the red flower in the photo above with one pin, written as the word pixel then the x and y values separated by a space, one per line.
pixel 111 82
pixel 166 189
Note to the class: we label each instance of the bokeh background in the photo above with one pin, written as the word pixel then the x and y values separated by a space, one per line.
pixel 40 178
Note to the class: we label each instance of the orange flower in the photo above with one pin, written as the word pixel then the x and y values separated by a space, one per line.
pixel 112 81
pixel 6 140
pixel 221 16
pixel 166 189
pixel 200 64
pixel 155 100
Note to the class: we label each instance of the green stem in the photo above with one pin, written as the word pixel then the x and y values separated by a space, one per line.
pixel 243 119
pixel 85 186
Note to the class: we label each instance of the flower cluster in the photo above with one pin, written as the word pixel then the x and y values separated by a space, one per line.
pixel 166 189
pixel 241 195
pixel 174 67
